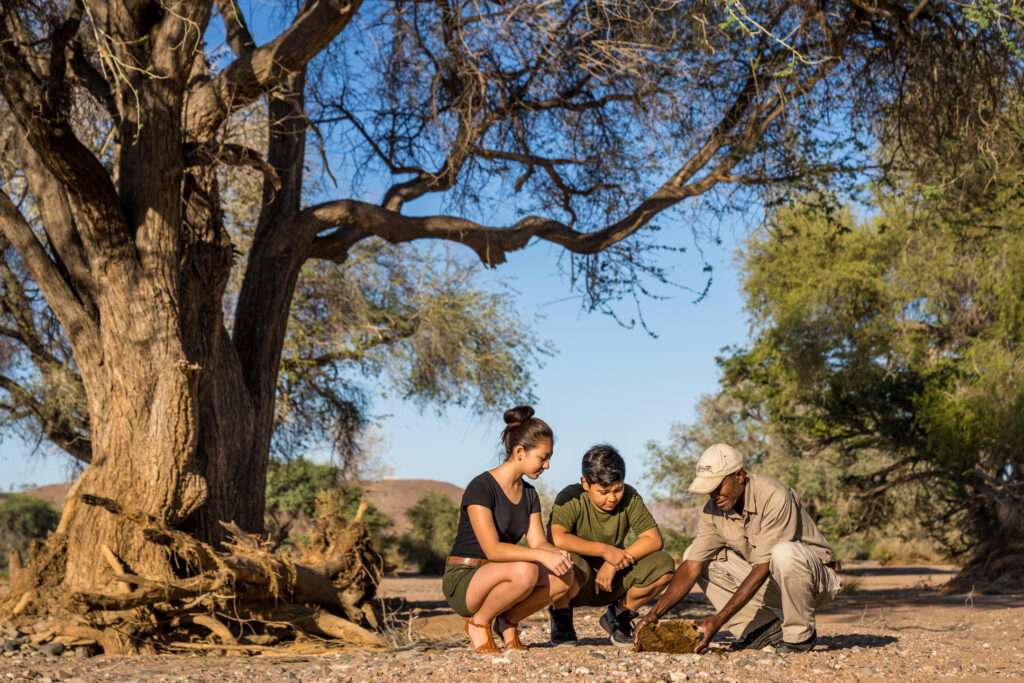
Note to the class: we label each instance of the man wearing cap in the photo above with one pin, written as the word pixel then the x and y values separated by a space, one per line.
pixel 757 553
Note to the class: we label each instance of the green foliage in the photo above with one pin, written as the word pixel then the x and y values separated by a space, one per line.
pixel 884 380
pixel 675 543
pixel 292 486
pixel 893 343
pixel 22 520
pixel 294 489
pixel 413 321
pixel 435 519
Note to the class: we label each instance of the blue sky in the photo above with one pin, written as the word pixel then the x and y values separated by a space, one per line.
pixel 605 384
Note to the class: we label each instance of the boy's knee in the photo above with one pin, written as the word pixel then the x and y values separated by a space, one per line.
pixel 656 566
pixel 662 564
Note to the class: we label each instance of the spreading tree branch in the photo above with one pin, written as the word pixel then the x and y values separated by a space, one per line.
pixel 80 328
pixel 261 71
pixel 48 131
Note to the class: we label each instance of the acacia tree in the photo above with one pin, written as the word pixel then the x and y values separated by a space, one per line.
pixel 575 107
pixel 890 348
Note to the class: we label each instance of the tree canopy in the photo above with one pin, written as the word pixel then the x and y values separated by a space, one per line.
pixel 886 358
pixel 594 126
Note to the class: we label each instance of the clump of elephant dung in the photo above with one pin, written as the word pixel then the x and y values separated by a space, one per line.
pixel 677 636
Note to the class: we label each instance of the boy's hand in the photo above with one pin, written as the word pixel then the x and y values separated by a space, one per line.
pixel 603 580
pixel 617 557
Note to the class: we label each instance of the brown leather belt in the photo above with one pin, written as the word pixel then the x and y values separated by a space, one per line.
pixel 468 561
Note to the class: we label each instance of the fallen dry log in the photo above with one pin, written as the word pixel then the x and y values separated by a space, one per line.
pixel 243 597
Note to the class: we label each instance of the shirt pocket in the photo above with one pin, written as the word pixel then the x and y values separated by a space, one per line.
pixel 736 540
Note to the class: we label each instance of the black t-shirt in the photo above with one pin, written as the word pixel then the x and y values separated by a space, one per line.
pixel 510 519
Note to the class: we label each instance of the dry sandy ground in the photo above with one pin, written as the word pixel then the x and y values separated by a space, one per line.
pixel 894 627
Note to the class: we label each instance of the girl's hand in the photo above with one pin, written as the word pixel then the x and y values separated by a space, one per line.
pixel 557 562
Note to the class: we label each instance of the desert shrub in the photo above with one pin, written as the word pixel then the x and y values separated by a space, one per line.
pixel 675 543
pixel 434 519
pixel 22 520
pixel 293 488
pixel 903 551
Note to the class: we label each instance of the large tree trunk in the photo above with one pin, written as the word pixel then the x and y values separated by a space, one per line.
pixel 143 403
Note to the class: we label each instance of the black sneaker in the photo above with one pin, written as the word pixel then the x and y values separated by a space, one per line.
pixel 804 646
pixel 618 624
pixel 562 629
pixel 762 636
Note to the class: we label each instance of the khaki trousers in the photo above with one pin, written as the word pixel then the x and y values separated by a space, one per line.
pixel 798 584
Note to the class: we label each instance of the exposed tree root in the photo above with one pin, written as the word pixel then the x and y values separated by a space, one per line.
pixel 244 598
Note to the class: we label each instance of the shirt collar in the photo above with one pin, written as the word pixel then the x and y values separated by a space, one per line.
pixel 749 502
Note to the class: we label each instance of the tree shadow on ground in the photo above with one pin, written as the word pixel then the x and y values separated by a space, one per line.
pixel 901 570
pixel 850 640
pixel 594 641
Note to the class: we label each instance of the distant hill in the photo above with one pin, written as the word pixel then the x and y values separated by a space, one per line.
pixel 391 496
pixel 52 494
pixel 394 496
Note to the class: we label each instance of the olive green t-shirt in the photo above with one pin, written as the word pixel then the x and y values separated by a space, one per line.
pixel 574 512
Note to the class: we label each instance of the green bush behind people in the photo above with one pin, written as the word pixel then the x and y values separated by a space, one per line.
pixel 23 519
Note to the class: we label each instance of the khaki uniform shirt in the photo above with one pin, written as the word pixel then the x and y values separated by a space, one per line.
pixel 771 514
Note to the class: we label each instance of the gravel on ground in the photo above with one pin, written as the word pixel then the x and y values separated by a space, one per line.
pixel 894 627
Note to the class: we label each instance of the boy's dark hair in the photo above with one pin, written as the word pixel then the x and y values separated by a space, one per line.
pixel 603 465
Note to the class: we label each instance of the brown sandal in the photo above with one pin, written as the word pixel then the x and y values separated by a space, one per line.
pixel 488 648
pixel 513 643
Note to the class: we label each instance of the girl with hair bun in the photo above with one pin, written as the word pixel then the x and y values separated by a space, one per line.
pixel 489 579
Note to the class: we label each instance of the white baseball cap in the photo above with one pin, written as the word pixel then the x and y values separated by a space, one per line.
pixel 714 465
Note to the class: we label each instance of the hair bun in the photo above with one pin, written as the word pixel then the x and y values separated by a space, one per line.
pixel 518 415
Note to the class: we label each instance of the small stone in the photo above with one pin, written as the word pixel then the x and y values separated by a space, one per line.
pixel 581 671
pixel 14 644
pixel 500 660
pixel 52 649
pixel 86 651
pixel 678 676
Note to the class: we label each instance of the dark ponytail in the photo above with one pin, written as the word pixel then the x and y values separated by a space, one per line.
pixel 523 429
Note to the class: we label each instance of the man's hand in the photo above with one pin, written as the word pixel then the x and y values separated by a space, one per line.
pixel 603 580
pixel 708 627
pixel 617 557
pixel 646 620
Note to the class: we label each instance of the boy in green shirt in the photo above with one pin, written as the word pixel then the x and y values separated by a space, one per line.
pixel 592 520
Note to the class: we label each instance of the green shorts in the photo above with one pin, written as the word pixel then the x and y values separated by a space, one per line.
pixel 455 584
pixel 646 571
